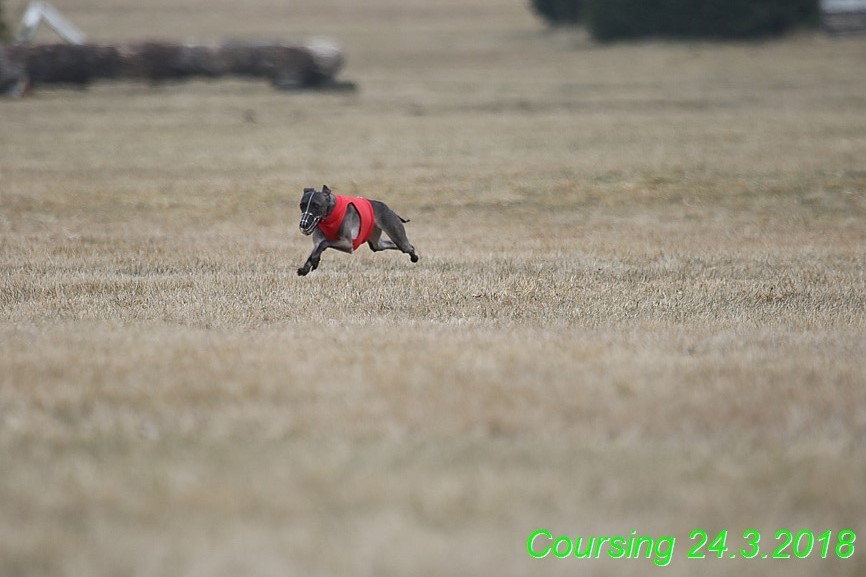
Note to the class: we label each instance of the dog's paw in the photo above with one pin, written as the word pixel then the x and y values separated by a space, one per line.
pixel 303 271
pixel 414 257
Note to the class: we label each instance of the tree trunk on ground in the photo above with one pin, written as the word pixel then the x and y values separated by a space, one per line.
pixel 284 65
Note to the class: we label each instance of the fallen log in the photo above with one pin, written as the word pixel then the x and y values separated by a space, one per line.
pixel 304 65
pixel 13 77
pixel 77 64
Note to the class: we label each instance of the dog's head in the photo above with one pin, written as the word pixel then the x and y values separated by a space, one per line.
pixel 314 207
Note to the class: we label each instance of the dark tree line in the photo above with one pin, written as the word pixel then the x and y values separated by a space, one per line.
pixel 719 19
pixel 4 29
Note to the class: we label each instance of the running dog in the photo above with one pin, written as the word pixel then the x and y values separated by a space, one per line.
pixel 346 223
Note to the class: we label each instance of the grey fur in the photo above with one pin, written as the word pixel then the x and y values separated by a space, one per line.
pixel 316 205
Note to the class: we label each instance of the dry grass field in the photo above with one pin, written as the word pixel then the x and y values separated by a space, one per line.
pixel 640 305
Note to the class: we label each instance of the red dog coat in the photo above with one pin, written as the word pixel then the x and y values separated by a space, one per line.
pixel 330 226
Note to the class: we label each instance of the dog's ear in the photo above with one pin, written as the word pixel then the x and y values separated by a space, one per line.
pixel 325 189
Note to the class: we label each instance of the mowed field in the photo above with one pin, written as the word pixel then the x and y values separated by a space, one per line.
pixel 640 305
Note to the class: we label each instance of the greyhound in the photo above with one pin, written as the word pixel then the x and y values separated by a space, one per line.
pixel 346 223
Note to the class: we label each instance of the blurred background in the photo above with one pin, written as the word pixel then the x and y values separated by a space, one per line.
pixel 640 303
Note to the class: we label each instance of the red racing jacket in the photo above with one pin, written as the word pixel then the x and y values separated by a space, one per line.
pixel 330 226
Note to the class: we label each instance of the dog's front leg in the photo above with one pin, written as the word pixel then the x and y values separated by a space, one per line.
pixel 312 262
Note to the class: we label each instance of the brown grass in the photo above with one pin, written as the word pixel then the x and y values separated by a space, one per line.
pixel 641 302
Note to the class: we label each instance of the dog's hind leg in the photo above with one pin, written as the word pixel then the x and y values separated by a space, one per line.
pixel 377 243
pixel 387 220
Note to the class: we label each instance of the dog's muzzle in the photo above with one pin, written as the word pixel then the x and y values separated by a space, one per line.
pixel 308 223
